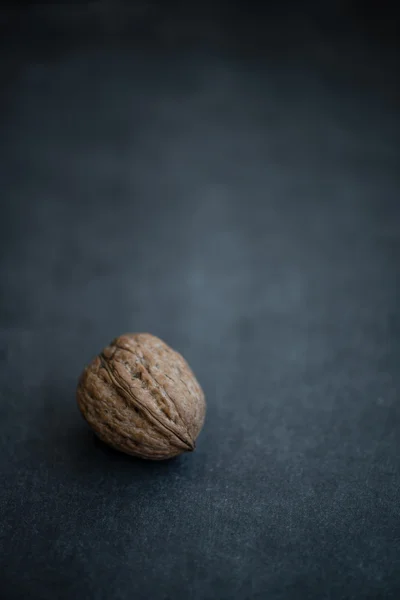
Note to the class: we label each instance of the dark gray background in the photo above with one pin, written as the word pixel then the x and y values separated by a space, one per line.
pixel 229 181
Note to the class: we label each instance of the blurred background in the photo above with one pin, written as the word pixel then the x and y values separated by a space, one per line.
pixel 225 176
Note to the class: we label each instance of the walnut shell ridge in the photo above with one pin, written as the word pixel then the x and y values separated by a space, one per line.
pixel 141 397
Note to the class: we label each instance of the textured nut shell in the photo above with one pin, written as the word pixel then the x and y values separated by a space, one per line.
pixel 141 397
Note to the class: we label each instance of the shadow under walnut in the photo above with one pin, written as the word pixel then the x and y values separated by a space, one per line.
pixel 141 397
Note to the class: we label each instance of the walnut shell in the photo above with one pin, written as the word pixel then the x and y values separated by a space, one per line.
pixel 141 397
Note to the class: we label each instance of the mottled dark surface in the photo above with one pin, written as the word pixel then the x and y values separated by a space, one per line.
pixel 231 184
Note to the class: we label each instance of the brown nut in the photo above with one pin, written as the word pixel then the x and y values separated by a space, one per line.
pixel 141 397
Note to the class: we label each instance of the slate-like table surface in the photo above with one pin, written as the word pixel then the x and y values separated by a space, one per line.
pixel 230 184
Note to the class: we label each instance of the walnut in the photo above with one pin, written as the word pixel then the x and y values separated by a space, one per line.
pixel 141 397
